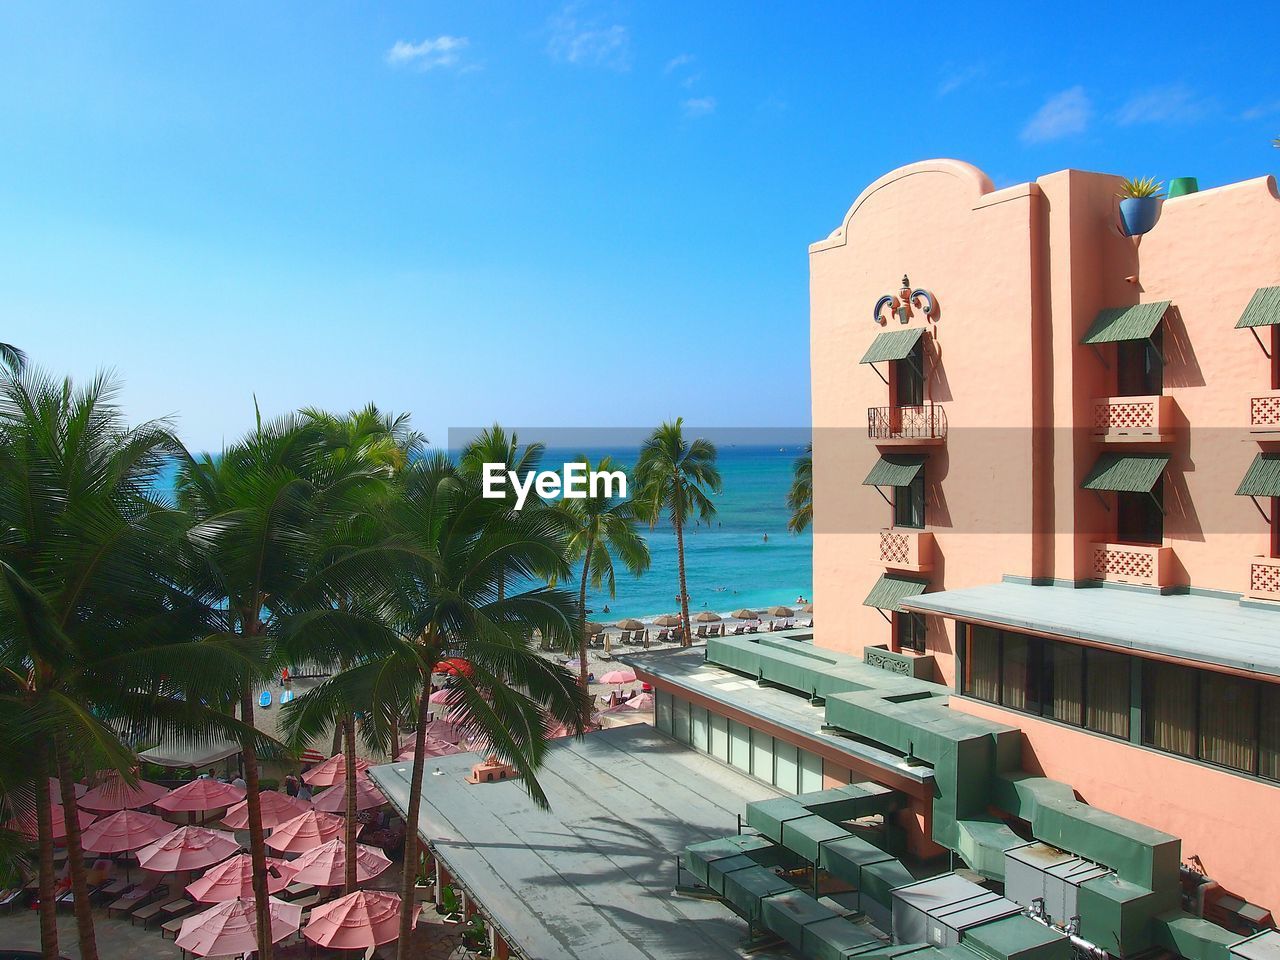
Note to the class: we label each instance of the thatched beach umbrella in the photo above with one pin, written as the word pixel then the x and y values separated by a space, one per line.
pixel 807 608
pixel 630 624
pixel 780 612
pixel 745 614
pixel 708 616
pixel 593 627
pixel 668 620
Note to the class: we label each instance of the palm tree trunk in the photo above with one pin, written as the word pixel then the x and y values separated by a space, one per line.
pixel 75 856
pixel 685 639
pixel 410 875
pixel 582 612
pixel 257 842
pixel 44 832
pixel 349 828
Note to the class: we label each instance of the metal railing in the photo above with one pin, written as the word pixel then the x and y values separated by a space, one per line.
pixel 925 422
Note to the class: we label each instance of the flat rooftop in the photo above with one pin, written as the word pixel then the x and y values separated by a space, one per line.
pixel 1205 629
pixel 689 670
pixel 593 876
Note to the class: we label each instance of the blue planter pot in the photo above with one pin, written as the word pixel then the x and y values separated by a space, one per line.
pixel 1139 214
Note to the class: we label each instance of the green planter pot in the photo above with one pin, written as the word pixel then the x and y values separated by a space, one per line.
pixel 1181 186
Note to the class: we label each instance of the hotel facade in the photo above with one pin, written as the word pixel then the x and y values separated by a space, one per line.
pixel 1039 710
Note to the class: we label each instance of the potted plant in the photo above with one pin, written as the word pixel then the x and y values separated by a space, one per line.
pixel 475 937
pixel 1140 202
pixel 424 884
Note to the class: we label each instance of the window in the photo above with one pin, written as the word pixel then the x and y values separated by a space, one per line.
pixel 908 377
pixel 1228 721
pixel 1139 518
pixel 1269 732
pixel 910 632
pixel 1140 367
pixel 1275 528
pixel 1108 692
pixel 1275 356
pixel 908 504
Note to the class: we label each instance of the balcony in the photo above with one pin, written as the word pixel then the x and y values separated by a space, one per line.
pixel 1264 413
pixel 1133 419
pixel 914 425
pixel 906 549
pixel 1264 578
pixel 1133 563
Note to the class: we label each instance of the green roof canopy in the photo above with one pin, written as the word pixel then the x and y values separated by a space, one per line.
pixel 892 345
pixel 1126 473
pixel 1263 309
pixel 1262 478
pixel 889 592
pixel 1126 323
pixel 895 470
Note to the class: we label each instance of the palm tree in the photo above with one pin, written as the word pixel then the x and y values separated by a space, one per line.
pixel 675 475
pixel 800 496
pixel 88 607
pixel 274 520
pixel 12 358
pixel 600 527
pixel 459 550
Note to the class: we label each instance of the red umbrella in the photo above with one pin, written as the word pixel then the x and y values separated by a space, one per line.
pixel 643 701
pixel 204 793
pixel 433 746
pixel 332 771
pixel 334 800
pixel 455 667
pixel 276 808
pixel 55 790
pixel 324 865
pixel 123 831
pixel 231 928
pixel 27 824
pixel 357 921
pixel 114 794
pixel 187 848
pixel 304 832
pixel 233 879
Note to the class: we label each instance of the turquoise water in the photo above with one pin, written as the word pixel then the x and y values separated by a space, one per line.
pixel 729 564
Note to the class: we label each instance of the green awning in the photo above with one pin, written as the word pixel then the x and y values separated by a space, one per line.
pixel 1126 473
pixel 892 345
pixel 1138 322
pixel 889 592
pixel 1263 309
pixel 895 470
pixel 1262 478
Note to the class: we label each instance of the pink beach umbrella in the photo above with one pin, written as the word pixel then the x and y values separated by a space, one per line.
pixel 332 771
pixel 114 794
pixel 276 808
pixel 304 831
pixel 444 696
pixel 187 848
pixel 233 879
pixel 231 928
pixel 202 794
pixel 641 701
pixel 358 921
pixel 123 831
pixel 334 800
pixel 433 746
pixel 27 824
pixel 619 677
pixel 323 866
pixel 55 790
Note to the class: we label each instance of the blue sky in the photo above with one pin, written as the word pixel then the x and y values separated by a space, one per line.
pixel 584 214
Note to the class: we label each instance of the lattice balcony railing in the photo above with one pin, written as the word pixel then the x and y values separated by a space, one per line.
pixel 1132 418
pixel 1264 578
pixel 927 422
pixel 1264 411
pixel 904 549
pixel 1132 563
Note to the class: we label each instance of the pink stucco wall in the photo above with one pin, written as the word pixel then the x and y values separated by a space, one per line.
pixel 1222 818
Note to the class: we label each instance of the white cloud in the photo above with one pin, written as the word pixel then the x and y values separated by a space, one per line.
pixel 699 107
pixel 1062 115
pixel 1261 110
pixel 677 62
pixel 441 51
pixel 1176 103
pixel 955 76
pixel 589 44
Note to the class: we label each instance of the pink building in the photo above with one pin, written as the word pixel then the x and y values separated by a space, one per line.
pixel 1070 440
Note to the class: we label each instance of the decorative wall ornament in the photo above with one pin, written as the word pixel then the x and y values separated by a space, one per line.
pixel 901 306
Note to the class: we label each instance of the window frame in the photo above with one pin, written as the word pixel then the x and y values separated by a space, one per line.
pixel 915 643
pixel 907 510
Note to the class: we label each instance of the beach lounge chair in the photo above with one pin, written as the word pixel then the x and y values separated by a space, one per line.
pixel 12 898
pixel 753 629
pixel 146 913
pixel 702 633
pixel 286 697
pixel 144 892
pixel 625 639
pixel 264 699
pixel 170 929
pixel 739 630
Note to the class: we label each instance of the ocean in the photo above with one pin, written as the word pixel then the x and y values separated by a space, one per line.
pixel 744 558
